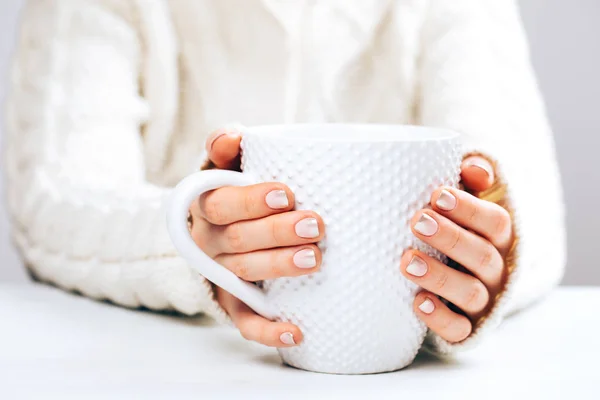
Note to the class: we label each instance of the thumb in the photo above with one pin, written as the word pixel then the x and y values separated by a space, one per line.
pixel 223 147
pixel 477 174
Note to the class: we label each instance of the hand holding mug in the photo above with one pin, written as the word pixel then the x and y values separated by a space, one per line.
pixel 473 232
pixel 252 231
pixel 260 215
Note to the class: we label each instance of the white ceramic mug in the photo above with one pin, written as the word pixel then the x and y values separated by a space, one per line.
pixel 366 182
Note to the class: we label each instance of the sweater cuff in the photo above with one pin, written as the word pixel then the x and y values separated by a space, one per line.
pixel 500 194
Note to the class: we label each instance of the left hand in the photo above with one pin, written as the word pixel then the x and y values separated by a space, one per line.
pixel 475 233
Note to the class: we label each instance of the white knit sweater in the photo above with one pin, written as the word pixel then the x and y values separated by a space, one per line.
pixel 111 102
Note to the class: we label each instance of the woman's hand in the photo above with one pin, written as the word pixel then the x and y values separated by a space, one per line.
pixel 253 232
pixel 475 233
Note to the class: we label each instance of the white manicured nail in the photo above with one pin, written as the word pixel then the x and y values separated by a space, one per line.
pixel 307 228
pixel 426 225
pixel 446 201
pixel 287 338
pixel 305 259
pixel 417 266
pixel 427 306
pixel 277 199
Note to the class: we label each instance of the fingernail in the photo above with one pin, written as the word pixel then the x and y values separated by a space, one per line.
pixel 307 228
pixel 481 165
pixel 287 338
pixel 209 145
pixel 277 199
pixel 417 266
pixel 426 225
pixel 427 306
pixel 446 201
pixel 305 259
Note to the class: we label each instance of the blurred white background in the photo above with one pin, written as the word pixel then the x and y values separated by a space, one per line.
pixel 565 42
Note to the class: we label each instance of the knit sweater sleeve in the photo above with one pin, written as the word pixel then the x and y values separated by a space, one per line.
pixel 478 80
pixel 84 216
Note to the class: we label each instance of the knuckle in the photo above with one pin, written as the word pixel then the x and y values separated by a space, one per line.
pixel 473 213
pixel 199 238
pixel 262 334
pixel 454 236
pixel 487 257
pixel 476 297
pixel 276 228
pixel 195 206
pixel 275 264
pixel 441 281
pixel 212 210
pixel 246 331
pixel 234 237
pixel 239 267
pixel 248 202
pixel 502 223
pixel 200 235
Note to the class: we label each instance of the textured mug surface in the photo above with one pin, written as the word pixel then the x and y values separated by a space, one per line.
pixel 366 182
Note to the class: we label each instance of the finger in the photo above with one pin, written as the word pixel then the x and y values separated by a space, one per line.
pixel 273 263
pixel 223 147
pixel 282 230
pixel 467 248
pixel 256 328
pixel 203 235
pixel 232 203
pixel 440 319
pixel 477 174
pixel 486 218
pixel 465 291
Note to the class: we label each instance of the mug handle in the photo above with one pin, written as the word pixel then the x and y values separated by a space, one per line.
pixel 189 189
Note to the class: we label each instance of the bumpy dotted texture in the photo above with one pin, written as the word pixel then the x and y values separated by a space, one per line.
pixel 357 312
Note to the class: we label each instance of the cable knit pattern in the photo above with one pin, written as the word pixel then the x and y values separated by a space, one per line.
pixel 111 101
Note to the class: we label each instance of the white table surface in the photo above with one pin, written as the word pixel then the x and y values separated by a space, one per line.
pixel 59 345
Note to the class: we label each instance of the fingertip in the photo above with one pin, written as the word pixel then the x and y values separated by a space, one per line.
pixel 290 335
pixel 284 204
pixel 447 324
pixel 406 257
pixel 224 147
pixel 415 218
pixel 320 224
pixel 435 195
pixel 212 138
pixel 425 223
pixel 269 333
pixel 444 199
pixel 307 259
pixel 477 173
pixel 425 303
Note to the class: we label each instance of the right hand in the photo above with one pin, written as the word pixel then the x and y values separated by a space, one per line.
pixel 253 232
